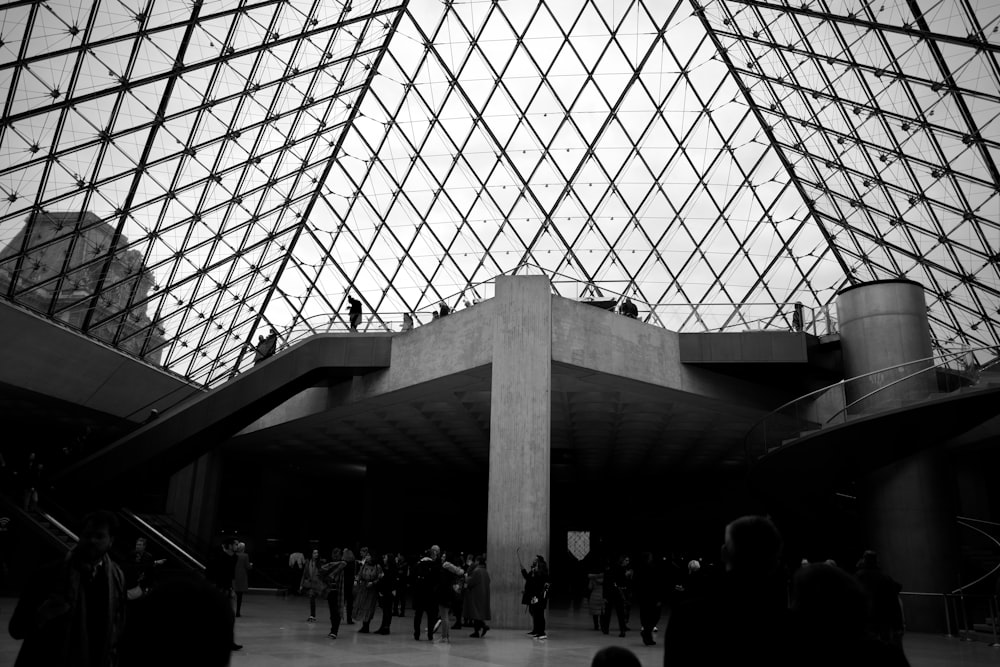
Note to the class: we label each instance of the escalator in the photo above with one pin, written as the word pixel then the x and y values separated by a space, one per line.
pixel 42 523
pixel 178 550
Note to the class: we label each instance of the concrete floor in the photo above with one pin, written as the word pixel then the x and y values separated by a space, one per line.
pixel 273 631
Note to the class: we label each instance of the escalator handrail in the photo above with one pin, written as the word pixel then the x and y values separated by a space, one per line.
pixel 48 517
pixel 165 523
pixel 160 537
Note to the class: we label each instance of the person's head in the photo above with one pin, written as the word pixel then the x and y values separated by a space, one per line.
pixel 241 547
pixel 540 565
pixel 481 560
pixel 315 554
pixel 615 656
pixel 435 551
pixel 869 559
pixel 229 544
pixel 752 547
pixel 97 536
pixel 140 544
pixel 260 338
pixel 348 555
pixel 693 566
pixel 186 607
pixel 336 554
pixel 825 599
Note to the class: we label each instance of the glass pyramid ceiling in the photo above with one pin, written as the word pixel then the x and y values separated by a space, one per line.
pixel 175 178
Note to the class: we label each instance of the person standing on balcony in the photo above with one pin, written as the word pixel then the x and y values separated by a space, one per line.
pixel 354 312
pixel 798 317
pixel 407 322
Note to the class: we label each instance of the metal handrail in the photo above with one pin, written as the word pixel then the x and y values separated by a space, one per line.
pixel 48 517
pixel 938 361
pixel 160 537
pixel 941 362
pixel 995 569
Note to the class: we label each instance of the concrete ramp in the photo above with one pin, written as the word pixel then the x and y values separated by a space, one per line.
pixel 199 423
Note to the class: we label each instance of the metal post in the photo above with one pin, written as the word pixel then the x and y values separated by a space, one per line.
pixel 947 615
pixel 994 612
pixel 965 620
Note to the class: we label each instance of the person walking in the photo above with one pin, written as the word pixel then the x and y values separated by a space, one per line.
pixel 354 312
pixel 312 583
pixel 366 591
pixel 536 593
pixel 426 581
pixel 350 573
pixel 221 570
pixel 241 575
pixel 333 578
pixel 387 589
pixel 595 603
pixel 402 582
pixel 476 604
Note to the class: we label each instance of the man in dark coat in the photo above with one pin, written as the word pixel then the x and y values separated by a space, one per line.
pixel 646 586
pixel 426 585
pixel 476 604
pixel 72 613
pixel 750 602
pixel 221 570
pixel 885 617
pixel 354 312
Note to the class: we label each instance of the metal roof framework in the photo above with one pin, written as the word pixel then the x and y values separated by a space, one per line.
pixel 265 158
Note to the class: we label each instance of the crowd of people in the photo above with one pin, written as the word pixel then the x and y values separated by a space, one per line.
pixel 73 612
pixel 356 587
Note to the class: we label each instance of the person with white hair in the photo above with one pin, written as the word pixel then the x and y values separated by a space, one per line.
pixel 750 601
pixel 241 575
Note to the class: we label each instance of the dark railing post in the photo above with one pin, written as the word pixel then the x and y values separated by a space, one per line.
pixel 965 619
pixel 947 615
pixel 994 612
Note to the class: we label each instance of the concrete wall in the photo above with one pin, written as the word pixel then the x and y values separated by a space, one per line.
pixel 460 342
pixel 50 360
pixel 603 341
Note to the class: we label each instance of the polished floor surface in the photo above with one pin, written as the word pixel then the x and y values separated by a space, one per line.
pixel 273 631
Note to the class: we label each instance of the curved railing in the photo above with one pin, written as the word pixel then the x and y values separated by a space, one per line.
pixel 828 405
pixel 964 522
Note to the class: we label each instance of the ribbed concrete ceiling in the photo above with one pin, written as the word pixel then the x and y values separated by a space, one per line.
pixel 601 427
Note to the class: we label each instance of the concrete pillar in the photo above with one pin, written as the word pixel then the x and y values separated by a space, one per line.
pixel 909 505
pixel 520 428
pixel 883 324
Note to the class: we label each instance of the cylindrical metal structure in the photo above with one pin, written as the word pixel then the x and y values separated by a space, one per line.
pixel 884 324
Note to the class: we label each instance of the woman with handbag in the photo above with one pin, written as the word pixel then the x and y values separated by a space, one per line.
pixel 312 582
pixel 366 591
pixel 536 593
